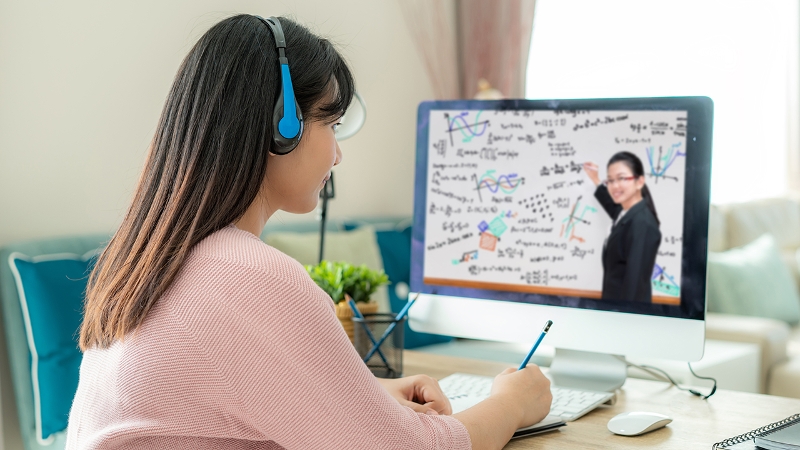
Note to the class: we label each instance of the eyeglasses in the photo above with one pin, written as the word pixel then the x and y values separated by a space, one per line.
pixel 619 180
pixel 353 118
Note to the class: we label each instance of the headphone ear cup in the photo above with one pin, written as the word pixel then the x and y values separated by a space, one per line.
pixel 284 145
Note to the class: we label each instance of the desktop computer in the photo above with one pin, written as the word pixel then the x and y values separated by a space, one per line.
pixel 591 213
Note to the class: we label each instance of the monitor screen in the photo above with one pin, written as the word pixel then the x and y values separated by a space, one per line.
pixel 598 204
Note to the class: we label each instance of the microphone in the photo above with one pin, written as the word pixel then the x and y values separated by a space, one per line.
pixel 328 191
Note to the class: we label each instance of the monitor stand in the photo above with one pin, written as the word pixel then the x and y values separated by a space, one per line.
pixel 587 370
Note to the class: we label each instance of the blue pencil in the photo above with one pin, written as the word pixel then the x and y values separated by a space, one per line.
pixel 391 326
pixel 538 341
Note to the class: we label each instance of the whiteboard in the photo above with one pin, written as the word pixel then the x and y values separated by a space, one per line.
pixel 509 206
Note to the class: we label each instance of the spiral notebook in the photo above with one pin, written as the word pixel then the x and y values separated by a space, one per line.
pixel 779 435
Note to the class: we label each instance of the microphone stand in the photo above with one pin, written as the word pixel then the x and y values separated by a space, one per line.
pixel 327 192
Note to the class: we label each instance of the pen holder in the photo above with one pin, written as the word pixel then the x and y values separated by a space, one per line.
pixel 387 360
pixel 344 314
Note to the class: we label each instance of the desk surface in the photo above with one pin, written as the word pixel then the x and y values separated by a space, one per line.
pixel 696 423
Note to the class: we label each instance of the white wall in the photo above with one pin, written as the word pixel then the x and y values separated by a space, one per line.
pixel 82 84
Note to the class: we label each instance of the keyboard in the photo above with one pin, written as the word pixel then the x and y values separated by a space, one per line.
pixel 465 390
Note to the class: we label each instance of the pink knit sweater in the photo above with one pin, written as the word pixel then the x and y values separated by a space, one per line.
pixel 243 351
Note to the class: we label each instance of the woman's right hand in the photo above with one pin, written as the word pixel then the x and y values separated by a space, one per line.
pixel 527 389
pixel 519 398
pixel 591 170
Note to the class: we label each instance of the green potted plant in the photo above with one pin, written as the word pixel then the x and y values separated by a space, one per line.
pixel 339 278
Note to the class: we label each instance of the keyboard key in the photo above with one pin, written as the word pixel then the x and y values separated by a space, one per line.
pixel 573 408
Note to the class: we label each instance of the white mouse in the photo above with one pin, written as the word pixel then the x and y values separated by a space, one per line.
pixel 637 422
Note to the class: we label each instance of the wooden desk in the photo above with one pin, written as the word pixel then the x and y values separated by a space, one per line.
pixel 696 423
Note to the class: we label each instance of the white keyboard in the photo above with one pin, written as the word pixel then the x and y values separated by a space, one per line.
pixel 466 390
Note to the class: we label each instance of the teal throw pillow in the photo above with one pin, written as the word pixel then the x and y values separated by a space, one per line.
pixel 753 280
pixel 395 248
pixel 51 292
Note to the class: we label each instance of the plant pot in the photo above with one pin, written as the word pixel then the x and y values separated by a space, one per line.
pixel 345 314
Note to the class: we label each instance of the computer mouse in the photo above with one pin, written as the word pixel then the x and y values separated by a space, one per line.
pixel 637 422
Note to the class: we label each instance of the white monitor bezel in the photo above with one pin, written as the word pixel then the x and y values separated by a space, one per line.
pixel 573 328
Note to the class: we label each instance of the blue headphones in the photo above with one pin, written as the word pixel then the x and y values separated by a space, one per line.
pixel 287 119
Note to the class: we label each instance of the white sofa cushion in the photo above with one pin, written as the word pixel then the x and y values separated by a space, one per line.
pixel 784 376
pixel 778 216
pixel 784 379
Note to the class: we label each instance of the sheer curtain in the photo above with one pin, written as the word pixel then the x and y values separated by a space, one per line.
pixel 462 41
pixel 432 24
pixel 742 54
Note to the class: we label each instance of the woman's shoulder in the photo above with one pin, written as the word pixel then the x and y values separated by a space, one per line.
pixel 238 264
pixel 235 255
pixel 644 218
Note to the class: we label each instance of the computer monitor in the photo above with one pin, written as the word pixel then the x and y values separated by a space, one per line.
pixel 510 229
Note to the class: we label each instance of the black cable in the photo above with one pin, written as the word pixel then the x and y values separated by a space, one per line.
pixel 713 388
pixel 660 373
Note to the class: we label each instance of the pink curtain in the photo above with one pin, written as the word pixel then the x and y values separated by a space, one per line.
pixel 462 41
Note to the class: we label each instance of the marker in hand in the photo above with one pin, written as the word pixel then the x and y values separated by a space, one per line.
pixel 538 341
pixel 592 170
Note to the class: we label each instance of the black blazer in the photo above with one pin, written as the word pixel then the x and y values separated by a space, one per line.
pixel 629 254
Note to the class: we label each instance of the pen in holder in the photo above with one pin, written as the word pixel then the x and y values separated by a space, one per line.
pixel 384 357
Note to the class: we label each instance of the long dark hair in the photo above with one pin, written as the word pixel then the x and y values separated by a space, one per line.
pixel 207 160
pixel 635 164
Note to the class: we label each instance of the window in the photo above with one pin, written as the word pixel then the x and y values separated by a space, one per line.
pixel 742 54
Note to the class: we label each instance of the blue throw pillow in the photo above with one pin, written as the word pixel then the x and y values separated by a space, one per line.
pixel 51 291
pixel 396 253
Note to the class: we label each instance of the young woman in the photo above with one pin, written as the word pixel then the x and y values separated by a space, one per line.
pixel 629 253
pixel 196 334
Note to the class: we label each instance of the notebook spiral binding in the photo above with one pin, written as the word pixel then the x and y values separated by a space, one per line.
pixel 766 429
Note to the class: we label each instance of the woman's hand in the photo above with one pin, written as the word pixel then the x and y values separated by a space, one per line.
pixel 591 170
pixel 419 392
pixel 528 388
pixel 519 398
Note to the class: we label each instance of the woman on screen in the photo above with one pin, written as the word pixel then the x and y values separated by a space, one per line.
pixel 629 252
pixel 197 334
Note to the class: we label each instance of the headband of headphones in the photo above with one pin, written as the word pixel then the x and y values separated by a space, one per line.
pixel 287 119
